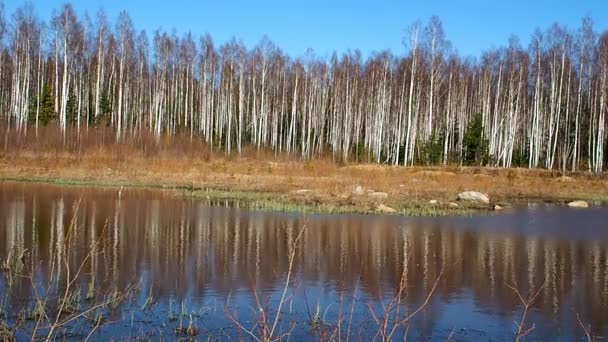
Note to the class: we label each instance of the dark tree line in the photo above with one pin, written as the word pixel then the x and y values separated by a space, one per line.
pixel 540 106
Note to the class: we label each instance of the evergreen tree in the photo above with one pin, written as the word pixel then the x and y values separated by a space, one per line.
pixel 432 150
pixel 475 145
pixel 47 107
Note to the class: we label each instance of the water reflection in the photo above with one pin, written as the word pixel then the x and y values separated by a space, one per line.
pixel 189 249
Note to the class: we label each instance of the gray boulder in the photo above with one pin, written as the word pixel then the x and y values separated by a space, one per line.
pixel 385 209
pixel 378 195
pixel 358 190
pixel 578 204
pixel 473 196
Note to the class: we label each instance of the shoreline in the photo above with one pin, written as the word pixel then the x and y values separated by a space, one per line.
pixel 258 201
pixel 318 187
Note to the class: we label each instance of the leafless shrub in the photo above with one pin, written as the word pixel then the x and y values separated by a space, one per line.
pixel 527 303
pixel 586 329
pixel 266 328
pixel 63 291
pixel 392 317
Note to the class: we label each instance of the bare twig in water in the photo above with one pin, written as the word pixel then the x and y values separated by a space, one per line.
pixel 6 333
pixel 451 334
pixel 527 304
pixel 586 329
pixel 291 260
pixel 97 324
pixel 352 310
pixel 385 330
pixel 67 293
pixel 268 331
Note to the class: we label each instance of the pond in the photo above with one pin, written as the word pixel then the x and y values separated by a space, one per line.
pixel 95 263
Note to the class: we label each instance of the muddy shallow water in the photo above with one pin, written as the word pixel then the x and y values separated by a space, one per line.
pixel 177 263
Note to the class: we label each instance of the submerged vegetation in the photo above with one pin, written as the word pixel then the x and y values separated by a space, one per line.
pixel 72 277
pixel 47 302
pixel 58 310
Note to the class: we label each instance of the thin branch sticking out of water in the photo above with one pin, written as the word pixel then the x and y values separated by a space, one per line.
pixel 522 331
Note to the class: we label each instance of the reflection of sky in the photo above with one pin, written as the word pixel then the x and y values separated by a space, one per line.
pixel 547 222
pixel 183 251
pixel 468 321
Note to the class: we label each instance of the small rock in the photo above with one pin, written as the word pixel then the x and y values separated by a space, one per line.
pixel 433 202
pixel 434 173
pixel 565 179
pixel 303 191
pixel 358 190
pixel 378 195
pixel 473 196
pixel 453 205
pixel 578 204
pixel 385 209
pixel 497 207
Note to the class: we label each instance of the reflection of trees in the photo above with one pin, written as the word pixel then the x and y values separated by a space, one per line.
pixel 186 247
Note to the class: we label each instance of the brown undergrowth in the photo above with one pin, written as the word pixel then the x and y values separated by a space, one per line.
pixel 275 181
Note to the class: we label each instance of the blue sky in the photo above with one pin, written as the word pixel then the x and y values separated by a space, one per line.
pixel 472 26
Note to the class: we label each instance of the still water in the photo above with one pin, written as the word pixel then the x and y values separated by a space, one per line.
pixel 219 269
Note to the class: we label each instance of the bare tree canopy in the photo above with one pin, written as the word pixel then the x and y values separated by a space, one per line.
pixel 540 106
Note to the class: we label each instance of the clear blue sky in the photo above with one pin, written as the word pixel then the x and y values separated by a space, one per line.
pixel 472 26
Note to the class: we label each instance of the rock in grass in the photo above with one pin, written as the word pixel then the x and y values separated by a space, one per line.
pixel 358 190
pixel 303 191
pixel 497 207
pixel 578 204
pixel 434 173
pixel 433 202
pixel 453 205
pixel 378 195
pixel 473 196
pixel 564 179
pixel 385 209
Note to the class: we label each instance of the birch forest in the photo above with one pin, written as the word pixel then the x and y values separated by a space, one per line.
pixel 543 105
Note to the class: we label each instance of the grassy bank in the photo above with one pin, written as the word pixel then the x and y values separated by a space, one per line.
pixel 296 201
pixel 264 182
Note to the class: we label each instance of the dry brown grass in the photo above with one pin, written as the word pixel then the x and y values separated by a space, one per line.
pixel 94 157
